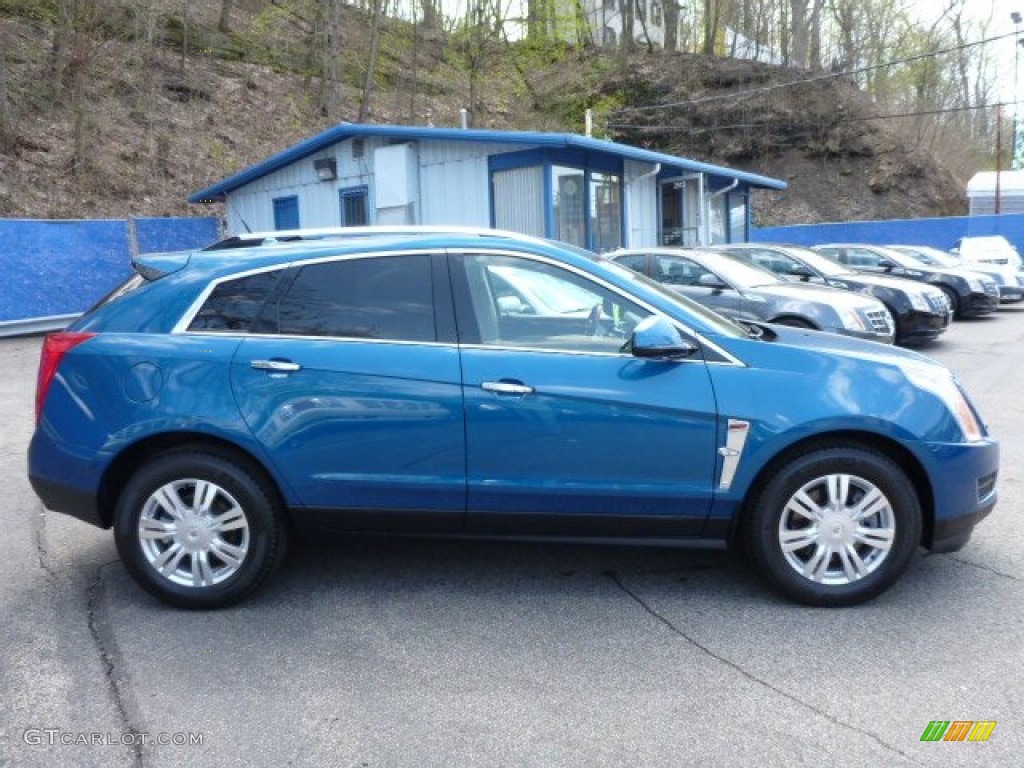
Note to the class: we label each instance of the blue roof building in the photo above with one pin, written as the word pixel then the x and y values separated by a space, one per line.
pixel 590 192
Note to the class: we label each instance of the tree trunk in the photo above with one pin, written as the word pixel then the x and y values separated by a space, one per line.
pixel 224 25
pixel 671 25
pixel 8 137
pixel 431 18
pixel 798 15
pixel 371 67
pixel 627 43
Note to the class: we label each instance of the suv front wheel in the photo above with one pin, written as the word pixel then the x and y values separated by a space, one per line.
pixel 197 530
pixel 835 526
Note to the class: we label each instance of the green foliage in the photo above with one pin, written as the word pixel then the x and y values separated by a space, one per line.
pixel 44 11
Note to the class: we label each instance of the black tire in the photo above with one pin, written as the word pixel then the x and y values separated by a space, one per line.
pixel 831 554
pixel 229 548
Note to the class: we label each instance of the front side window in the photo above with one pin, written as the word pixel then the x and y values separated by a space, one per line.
pixel 387 298
pixel 676 270
pixel 516 302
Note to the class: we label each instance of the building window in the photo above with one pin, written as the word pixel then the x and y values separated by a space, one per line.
pixel 738 218
pixel 286 212
pixel 605 212
pixel 567 191
pixel 354 209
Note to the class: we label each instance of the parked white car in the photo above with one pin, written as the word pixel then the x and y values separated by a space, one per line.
pixel 990 249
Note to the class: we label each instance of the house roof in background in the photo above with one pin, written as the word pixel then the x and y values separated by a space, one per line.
pixel 345 131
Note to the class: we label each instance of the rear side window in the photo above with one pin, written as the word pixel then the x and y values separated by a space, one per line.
pixel 235 304
pixel 387 297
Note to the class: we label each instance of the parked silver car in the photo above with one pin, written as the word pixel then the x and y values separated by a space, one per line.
pixel 743 291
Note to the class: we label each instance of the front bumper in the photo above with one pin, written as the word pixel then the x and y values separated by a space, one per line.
pixel 918 326
pixel 1008 294
pixel 975 304
pixel 963 480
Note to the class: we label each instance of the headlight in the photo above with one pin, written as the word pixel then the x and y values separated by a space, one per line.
pixel 852 320
pixel 919 301
pixel 941 383
pixel 975 285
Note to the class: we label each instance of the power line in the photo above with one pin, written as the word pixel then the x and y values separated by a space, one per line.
pixel 816 79
pixel 863 118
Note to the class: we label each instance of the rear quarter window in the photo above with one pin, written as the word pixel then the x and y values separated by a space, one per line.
pixel 235 304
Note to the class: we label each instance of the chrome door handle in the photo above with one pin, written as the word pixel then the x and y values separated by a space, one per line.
pixel 276 366
pixel 506 388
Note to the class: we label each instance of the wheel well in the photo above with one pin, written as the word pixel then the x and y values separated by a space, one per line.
pixel 794 321
pixel 133 457
pixel 889 448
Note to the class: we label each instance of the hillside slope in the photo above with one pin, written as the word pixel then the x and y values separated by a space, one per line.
pixel 158 125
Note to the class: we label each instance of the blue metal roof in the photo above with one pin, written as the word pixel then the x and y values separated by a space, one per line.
pixel 414 133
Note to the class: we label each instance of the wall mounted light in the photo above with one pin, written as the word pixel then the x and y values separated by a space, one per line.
pixel 326 168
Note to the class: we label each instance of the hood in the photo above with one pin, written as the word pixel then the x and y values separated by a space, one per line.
pixel 885 281
pixel 837 297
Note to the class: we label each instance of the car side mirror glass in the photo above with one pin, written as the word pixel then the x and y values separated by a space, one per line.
pixel 708 280
pixel 656 337
pixel 512 305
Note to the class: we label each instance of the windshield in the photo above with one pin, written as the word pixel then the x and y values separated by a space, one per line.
pixel 734 270
pixel 931 256
pixel 720 324
pixel 816 261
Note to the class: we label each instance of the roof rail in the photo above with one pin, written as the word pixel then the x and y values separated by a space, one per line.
pixel 283 236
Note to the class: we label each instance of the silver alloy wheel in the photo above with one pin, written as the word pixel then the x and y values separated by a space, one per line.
pixel 837 529
pixel 193 532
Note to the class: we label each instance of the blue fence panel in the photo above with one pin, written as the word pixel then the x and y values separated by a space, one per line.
pixel 938 233
pixel 156 235
pixel 59 267
pixel 56 269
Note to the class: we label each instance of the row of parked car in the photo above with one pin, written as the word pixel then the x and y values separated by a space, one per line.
pixel 906 295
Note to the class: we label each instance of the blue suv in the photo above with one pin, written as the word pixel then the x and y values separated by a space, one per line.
pixel 479 383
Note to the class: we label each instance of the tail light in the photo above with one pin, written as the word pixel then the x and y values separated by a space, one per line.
pixel 55 346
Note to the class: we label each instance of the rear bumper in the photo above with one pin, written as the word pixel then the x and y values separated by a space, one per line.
pixel 68 500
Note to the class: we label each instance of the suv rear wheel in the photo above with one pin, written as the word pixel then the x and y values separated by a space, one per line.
pixel 198 530
pixel 835 526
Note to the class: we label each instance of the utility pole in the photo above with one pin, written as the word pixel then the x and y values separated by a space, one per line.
pixel 1016 18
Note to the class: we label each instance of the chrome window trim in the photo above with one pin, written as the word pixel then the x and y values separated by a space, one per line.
pixel 181 327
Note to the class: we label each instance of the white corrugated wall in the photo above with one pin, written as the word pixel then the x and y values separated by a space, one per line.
pixel 641 202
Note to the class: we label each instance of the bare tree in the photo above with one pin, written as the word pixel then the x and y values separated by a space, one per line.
pixel 8 136
pixel 371 67
pixel 671 11
pixel 224 24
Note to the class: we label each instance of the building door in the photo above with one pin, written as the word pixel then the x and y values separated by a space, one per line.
pixel 682 208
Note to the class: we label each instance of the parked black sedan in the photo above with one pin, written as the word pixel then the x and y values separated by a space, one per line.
pixel 969 293
pixel 921 312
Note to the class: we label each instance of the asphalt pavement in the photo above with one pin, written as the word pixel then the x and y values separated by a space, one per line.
pixel 449 653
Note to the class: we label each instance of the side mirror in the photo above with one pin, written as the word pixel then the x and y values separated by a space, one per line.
pixel 512 305
pixel 708 280
pixel 886 264
pixel 799 270
pixel 657 338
